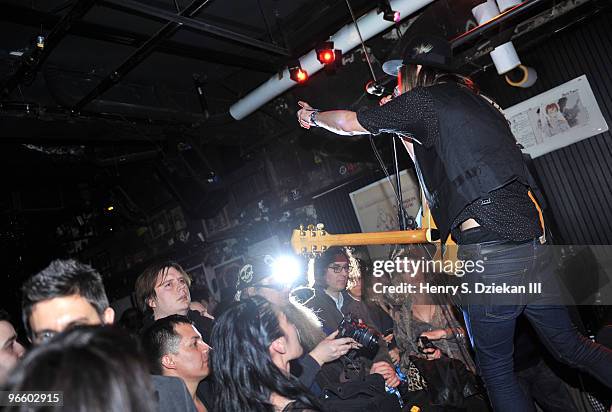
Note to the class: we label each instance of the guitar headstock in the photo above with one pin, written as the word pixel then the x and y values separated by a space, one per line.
pixel 310 240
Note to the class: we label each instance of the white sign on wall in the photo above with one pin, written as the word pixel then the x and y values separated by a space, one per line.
pixel 556 118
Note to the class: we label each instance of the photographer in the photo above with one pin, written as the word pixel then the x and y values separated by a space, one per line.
pixel 328 302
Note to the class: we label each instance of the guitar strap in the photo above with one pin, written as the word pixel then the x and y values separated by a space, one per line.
pixel 541 216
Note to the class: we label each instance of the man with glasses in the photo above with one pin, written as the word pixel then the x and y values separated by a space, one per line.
pixel 331 273
pixel 256 278
pixel 64 294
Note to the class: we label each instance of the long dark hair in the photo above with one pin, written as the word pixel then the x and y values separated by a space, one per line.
pixel 98 369
pixel 244 376
pixel 412 77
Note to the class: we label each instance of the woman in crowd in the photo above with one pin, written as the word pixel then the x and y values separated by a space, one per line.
pixel 430 316
pixel 253 344
pixel 97 369
pixel 257 279
pixel 421 315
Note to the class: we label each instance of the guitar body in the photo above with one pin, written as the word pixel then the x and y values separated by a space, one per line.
pixel 447 253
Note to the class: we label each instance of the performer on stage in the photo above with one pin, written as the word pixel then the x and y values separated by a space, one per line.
pixel 476 185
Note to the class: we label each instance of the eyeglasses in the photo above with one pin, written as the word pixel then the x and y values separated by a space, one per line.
pixel 340 268
pixel 44 337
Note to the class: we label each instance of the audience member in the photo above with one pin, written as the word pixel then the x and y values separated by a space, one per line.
pixel 97 369
pixel 254 344
pixel 64 294
pixel 175 348
pixel 163 290
pixel 421 315
pixel 331 272
pixel 257 279
pixel 363 307
pixel 10 349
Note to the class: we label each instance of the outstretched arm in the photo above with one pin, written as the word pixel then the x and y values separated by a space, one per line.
pixel 343 122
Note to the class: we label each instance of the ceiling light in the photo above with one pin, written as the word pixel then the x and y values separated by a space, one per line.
pixel 297 74
pixel 388 13
pixel 325 53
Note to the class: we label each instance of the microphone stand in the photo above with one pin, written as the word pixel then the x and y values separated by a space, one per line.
pixel 401 212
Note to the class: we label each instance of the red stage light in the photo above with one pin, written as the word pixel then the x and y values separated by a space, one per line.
pixel 297 74
pixel 325 53
pixel 326 56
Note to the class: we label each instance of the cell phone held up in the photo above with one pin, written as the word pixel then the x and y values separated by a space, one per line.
pixel 424 343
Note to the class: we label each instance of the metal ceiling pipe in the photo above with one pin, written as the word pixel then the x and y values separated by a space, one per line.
pixel 345 39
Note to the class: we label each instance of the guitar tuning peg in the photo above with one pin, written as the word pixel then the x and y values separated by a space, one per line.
pixel 311 227
pixel 320 226
pixel 323 248
pixel 302 228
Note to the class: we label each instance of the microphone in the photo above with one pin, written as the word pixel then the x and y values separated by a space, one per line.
pixel 374 88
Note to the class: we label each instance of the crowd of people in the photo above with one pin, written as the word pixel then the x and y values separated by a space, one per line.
pixel 277 347
pixel 163 362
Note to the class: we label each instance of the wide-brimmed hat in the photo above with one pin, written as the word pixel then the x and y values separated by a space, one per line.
pixel 426 50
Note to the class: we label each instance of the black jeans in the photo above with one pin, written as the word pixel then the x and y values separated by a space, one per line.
pixel 491 322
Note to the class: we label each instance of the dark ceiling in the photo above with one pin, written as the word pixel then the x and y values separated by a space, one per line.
pixel 112 94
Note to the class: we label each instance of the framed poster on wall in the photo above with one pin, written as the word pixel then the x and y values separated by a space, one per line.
pixel 226 275
pixel 205 275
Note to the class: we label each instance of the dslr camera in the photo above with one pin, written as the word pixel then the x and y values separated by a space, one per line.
pixel 359 331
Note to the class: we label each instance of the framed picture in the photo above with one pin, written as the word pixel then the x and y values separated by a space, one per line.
pixel 178 219
pixel 159 225
pixel 226 275
pixel 205 276
pixel 216 224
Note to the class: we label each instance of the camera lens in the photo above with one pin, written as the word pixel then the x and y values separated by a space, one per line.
pixel 360 332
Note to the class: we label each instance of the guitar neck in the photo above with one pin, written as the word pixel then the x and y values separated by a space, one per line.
pixel 377 238
pixel 310 241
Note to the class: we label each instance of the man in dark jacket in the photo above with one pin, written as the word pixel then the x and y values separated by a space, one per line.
pixel 328 302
